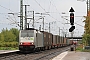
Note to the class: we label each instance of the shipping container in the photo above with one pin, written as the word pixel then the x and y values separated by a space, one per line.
pixel 50 39
pixel 54 40
pixel 65 41
pixel 39 39
pixel 46 37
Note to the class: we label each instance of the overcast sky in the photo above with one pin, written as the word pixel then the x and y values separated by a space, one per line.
pixel 55 9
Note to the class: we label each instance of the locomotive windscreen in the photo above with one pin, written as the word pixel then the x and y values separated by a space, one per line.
pixel 27 36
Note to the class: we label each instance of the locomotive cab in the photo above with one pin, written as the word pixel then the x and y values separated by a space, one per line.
pixel 26 40
pixel 29 40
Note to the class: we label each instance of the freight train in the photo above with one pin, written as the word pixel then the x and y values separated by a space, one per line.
pixel 35 40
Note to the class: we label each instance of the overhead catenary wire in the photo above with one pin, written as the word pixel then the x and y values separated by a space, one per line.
pixel 50 4
pixel 45 10
pixel 14 22
pixel 49 14
pixel 7 13
pixel 15 13
pixel 75 23
pixel 6 8
pixel 66 19
pixel 40 5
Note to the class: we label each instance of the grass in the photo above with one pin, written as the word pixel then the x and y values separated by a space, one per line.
pixel 79 49
pixel 82 50
pixel 8 48
pixel 86 50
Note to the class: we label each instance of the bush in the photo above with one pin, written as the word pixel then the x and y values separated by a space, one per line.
pixel 9 44
pixel 79 49
pixel 86 50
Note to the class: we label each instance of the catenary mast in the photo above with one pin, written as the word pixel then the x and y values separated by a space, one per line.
pixel 21 14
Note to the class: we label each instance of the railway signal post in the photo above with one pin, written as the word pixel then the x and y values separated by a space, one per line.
pixel 72 19
pixel 72 24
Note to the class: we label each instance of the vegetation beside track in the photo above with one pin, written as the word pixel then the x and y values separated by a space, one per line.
pixel 80 48
pixel 9 39
pixel 8 48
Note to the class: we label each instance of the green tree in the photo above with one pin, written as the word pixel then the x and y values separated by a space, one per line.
pixel 16 33
pixel 87 25
pixel 9 38
pixel 86 36
pixel 1 38
pixel 8 35
pixel 86 39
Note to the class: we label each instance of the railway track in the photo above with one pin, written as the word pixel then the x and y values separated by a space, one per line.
pixel 42 55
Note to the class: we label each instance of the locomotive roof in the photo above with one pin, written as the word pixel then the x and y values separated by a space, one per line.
pixel 37 30
pixel 31 29
pixel 45 32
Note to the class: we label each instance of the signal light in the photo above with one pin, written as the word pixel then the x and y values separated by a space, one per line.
pixel 72 28
pixel 72 18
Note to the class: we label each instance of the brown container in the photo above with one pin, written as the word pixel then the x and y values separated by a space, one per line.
pixel 61 40
pixel 50 39
pixel 46 37
pixel 54 42
pixel 56 39
pixel 65 40
pixel 71 42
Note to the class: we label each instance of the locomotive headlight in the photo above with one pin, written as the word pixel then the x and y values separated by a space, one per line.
pixel 32 43
pixel 21 43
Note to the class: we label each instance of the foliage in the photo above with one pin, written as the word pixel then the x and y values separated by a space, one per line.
pixel 82 50
pixel 86 50
pixel 87 25
pixel 9 38
pixel 79 49
pixel 16 33
pixel 86 39
pixel 86 36
pixel 8 48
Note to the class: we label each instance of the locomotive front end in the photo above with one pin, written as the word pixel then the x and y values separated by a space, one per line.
pixel 26 40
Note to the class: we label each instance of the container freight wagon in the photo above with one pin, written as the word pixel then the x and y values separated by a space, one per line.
pixel 69 42
pixel 65 42
pixel 50 40
pixel 58 40
pixel 46 39
pixel 39 40
pixel 61 40
pixel 54 41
